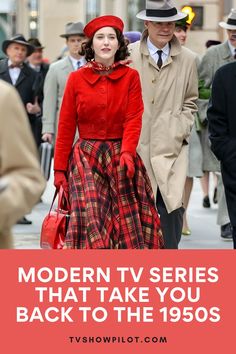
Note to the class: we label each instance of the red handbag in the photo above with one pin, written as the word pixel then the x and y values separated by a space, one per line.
pixel 55 224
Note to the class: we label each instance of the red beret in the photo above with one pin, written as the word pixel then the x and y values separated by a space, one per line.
pixel 103 21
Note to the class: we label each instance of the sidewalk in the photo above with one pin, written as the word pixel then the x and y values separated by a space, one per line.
pixel 205 232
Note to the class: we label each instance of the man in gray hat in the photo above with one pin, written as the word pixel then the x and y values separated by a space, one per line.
pixel 56 79
pixel 215 57
pixel 169 83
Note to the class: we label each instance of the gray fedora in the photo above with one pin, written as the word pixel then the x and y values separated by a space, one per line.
pixel 20 39
pixel 160 11
pixel 231 21
pixel 72 29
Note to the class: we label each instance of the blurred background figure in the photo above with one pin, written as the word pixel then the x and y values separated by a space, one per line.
pixel 181 29
pixel 132 36
pixel 21 183
pixel 212 42
pixel 15 71
pixel 36 62
pixel 57 76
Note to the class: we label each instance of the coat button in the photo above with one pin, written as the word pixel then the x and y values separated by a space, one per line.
pixel 152 101
pixel 153 80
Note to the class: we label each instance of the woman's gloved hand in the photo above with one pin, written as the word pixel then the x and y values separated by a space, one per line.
pixel 126 160
pixel 61 180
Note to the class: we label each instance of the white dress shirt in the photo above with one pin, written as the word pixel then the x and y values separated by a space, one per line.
pixel 153 51
pixel 13 72
pixel 75 62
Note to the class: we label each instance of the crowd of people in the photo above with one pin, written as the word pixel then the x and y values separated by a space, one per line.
pixel 130 130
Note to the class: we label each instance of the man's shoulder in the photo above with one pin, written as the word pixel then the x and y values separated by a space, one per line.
pixel 188 53
pixel 133 47
pixel 59 64
pixel 215 50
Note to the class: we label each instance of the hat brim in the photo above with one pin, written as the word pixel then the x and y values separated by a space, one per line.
pixel 142 16
pixel 227 26
pixel 72 34
pixel 7 42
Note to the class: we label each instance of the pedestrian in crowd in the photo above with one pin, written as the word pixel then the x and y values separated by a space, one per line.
pixel 112 204
pixel 56 79
pixel 222 128
pixel 214 58
pixel 21 182
pixel 36 62
pixel 15 71
pixel 195 150
pixel 211 42
pixel 169 85
pixel 181 30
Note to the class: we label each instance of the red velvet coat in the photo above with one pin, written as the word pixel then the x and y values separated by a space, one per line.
pixel 103 108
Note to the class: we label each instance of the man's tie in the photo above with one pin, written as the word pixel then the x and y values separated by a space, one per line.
pixel 78 64
pixel 159 61
pixel 235 53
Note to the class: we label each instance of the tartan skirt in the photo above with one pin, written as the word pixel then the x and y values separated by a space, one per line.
pixel 108 209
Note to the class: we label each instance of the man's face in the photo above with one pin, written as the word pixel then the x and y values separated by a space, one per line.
pixel 16 53
pixel 74 45
pixel 160 33
pixel 36 58
pixel 232 37
pixel 181 34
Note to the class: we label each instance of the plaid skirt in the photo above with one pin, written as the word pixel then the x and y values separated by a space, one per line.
pixel 108 209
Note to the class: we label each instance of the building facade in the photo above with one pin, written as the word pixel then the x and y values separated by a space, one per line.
pixel 46 19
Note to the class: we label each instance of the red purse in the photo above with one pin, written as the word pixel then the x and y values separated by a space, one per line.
pixel 55 224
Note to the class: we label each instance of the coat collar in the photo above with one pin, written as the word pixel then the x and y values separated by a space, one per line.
pixel 92 77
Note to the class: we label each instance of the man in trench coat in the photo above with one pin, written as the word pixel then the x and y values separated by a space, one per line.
pixel 21 182
pixel 222 128
pixel 170 89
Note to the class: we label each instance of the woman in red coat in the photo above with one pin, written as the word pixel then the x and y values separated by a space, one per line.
pixel 112 204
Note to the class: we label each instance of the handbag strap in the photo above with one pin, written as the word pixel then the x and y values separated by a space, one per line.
pixel 61 194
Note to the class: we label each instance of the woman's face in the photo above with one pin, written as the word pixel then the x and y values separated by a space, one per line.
pixel 105 45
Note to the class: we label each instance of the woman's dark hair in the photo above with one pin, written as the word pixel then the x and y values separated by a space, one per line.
pixel 121 54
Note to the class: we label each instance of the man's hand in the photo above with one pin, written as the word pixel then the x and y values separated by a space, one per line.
pixel 47 137
pixel 33 108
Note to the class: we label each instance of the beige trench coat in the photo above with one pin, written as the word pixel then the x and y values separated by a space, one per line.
pixel 169 98
pixel 54 87
pixel 21 182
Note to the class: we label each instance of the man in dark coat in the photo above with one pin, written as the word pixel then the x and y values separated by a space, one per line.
pixel 36 62
pixel 15 71
pixel 222 127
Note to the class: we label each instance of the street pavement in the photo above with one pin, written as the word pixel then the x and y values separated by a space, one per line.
pixel 205 233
